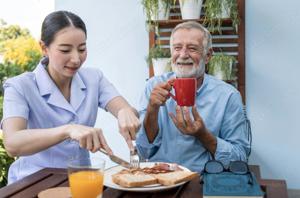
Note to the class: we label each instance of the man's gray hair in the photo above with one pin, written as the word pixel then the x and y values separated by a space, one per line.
pixel 207 41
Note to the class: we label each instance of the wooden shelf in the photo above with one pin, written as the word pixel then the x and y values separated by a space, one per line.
pixel 172 22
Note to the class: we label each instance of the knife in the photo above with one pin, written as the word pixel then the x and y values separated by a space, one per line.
pixel 116 159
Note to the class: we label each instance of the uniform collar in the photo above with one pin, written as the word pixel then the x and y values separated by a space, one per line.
pixel 78 91
pixel 52 94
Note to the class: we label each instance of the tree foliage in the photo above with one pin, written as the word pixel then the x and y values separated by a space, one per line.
pixel 1 107
pixel 21 53
pixel 5 162
pixel 7 71
pixel 8 32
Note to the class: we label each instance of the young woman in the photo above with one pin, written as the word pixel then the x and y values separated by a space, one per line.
pixel 49 113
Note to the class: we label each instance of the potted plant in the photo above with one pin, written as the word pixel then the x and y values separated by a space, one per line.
pixel 157 9
pixel 160 60
pixel 221 66
pixel 216 10
pixel 190 9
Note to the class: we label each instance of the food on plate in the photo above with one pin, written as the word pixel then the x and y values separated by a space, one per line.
pixel 161 173
pixel 161 168
pixel 133 178
pixel 176 177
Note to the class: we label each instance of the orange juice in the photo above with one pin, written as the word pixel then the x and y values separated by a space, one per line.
pixel 87 184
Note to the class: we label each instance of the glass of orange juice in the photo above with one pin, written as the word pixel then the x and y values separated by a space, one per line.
pixel 86 176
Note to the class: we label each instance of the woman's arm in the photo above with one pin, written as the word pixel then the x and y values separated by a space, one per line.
pixel 118 103
pixel 127 117
pixel 20 141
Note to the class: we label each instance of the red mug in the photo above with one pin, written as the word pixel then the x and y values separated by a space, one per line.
pixel 185 91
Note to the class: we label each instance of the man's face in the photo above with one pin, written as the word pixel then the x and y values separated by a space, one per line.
pixel 187 53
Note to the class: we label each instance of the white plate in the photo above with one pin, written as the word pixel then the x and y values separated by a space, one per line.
pixel 155 187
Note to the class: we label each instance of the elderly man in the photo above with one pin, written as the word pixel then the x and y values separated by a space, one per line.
pixel 214 128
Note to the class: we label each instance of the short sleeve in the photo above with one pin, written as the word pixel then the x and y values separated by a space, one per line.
pixel 14 103
pixel 107 91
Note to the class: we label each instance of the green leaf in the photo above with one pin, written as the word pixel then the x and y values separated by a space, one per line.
pixel 221 64
pixel 213 12
pixel 158 52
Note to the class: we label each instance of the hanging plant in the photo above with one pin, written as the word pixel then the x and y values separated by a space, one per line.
pixel 215 10
pixel 160 60
pixel 157 52
pixel 152 9
pixel 221 66
pixel 190 9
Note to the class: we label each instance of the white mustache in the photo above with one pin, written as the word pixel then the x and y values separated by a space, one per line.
pixel 188 72
pixel 184 61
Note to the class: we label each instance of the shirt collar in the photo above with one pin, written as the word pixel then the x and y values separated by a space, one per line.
pixel 43 80
pixel 46 84
pixel 46 87
pixel 77 91
pixel 204 83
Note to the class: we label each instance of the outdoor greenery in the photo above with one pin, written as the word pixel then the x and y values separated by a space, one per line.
pixel 157 52
pixel 6 71
pixel 23 51
pixel 213 13
pixel 5 162
pixel 8 32
pixel 152 8
pixel 1 107
pixel 20 53
pixel 221 65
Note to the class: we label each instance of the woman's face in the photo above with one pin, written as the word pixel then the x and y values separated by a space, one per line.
pixel 66 53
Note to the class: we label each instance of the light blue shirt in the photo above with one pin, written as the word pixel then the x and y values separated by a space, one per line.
pixel 221 108
pixel 34 97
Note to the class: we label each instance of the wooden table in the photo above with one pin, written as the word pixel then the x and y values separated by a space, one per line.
pixel 52 177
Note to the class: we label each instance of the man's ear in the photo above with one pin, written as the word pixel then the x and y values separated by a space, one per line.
pixel 43 47
pixel 208 55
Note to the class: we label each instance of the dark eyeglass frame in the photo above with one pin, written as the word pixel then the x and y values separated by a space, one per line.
pixel 233 168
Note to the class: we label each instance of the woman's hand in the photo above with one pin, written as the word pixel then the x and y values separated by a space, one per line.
pixel 129 124
pixel 89 138
pixel 127 116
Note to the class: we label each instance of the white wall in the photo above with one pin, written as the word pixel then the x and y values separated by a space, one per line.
pixel 272 82
pixel 117 44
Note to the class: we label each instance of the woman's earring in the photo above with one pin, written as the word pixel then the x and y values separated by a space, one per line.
pixel 45 60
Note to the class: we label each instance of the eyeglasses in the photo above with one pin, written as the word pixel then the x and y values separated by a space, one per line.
pixel 236 167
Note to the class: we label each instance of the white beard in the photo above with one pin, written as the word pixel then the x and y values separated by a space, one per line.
pixel 194 71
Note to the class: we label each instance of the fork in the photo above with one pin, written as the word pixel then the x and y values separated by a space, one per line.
pixel 134 157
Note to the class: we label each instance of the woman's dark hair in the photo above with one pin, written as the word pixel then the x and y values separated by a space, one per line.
pixel 55 22
pixel 58 20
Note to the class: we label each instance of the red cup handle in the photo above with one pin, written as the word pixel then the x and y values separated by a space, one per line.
pixel 170 94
